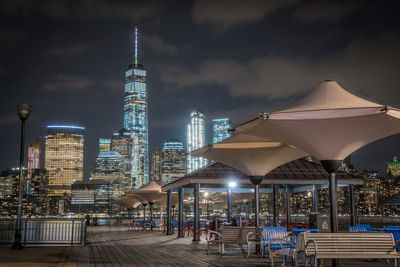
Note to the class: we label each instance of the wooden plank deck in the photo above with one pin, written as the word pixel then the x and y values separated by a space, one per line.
pixel 116 246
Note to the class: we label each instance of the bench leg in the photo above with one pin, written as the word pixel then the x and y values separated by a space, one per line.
pixel 272 260
pixel 395 262
pixel 248 250
pixel 315 262
pixel 222 249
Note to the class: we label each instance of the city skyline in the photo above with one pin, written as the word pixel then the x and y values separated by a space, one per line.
pixel 230 67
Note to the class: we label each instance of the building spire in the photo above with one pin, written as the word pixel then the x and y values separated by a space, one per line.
pixel 136 45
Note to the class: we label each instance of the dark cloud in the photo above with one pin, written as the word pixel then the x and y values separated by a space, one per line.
pixel 224 14
pixel 9 119
pixel 368 65
pixel 62 82
pixel 69 50
pixel 81 9
pixel 10 35
pixel 158 45
pixel 326 11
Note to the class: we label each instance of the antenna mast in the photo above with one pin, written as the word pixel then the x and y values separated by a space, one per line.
pixel 136 44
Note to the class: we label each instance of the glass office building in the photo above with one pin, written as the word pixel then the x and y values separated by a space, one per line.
pixel 136 120
pixel 64 156
pixel 195 140
pixel 33 163
pixel 156 158
pixel 173 161
pixel 221 129
pixel 104 144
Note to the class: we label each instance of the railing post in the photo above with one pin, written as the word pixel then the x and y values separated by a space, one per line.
pixel 72 233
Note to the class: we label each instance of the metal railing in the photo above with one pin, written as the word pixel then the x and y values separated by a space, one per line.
pixel 45 232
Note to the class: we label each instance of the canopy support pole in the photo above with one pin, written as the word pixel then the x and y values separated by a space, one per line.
pixel 331 166
pixel 229 196
pixel 144 211
pixel 288 220
pixel 256 181
pixel 353 215
pixel 275 199
pixel 180 218
pixel 196 223
pixel 315 198
pixel 169 204
pixel 151 215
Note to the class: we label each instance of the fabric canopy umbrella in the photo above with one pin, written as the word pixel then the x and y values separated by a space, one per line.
pixel 129 202
pixel 329 123
pixel 251 155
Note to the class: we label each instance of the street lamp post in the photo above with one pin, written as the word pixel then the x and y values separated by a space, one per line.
pixel 23 113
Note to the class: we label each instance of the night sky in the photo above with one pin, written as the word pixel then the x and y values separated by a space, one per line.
pixel 230 58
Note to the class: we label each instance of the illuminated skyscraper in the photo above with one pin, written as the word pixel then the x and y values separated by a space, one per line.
pixel 393 167
pixel 104 144
pixel 122 142
pixel 64 156
pixel 156 157
pixel 173 161
pixel 221 129
pixel 33 163
pixel 110 167
pixel 135 119
pixel 195 140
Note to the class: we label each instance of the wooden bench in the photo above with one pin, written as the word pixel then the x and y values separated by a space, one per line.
pixel 229 236
pixel 350 245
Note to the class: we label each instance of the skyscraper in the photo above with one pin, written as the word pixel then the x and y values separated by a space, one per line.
pixel 33 163
pixel 221 129
pixel 156 157
pixel 393 167
pixel 64 156
pixel 173 161
pixel 110 167
pixel 135 118
pixel 195 140
pixel 122 142
pixel 104 144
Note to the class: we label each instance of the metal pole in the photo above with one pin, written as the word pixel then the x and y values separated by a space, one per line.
pixel 275 198
pixel 315 198
pixel 196 223
pixel 332 202
pixel 256 181
pixel 144 211
pixel 353 215
pixel 331 166
pixel 17 241
pixel 169 204
pixel 229 196
pixel 151 215
pixel 180 218
pixel 287 205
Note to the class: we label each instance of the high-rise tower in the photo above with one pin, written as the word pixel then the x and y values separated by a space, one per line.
pixel 136 118
pixel 173 161
pixel 195 139
pixel 221 129
pixel 64 156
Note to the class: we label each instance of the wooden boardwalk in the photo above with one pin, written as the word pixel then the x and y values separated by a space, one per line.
pixel 116 246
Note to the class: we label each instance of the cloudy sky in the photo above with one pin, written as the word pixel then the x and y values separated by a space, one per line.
pixel 230 58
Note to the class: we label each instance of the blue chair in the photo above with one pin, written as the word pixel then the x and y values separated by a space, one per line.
pixel 359 229
pixel 269 233
pixel 395 231
pixel 368 226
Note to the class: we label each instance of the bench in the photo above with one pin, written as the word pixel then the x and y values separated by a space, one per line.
pixel 349 245
pixel 230 236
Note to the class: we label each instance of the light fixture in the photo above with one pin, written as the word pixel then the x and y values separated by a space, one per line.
pixel 232 184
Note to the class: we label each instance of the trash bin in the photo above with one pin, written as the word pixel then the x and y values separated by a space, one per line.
pixel 320 221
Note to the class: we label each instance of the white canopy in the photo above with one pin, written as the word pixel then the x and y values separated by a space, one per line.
pixel 150 192
pixel 329 123
pixel 129 202
pixel 251 155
